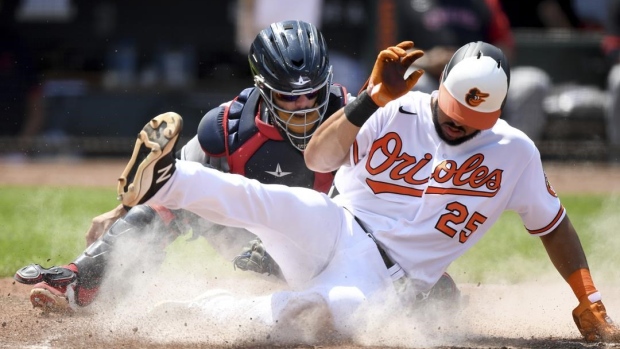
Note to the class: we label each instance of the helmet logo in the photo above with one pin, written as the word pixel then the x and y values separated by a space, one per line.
pixel 475 97
pixel 302 81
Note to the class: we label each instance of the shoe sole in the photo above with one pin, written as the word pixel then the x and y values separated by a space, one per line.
pixel 49 302
pixel 160 136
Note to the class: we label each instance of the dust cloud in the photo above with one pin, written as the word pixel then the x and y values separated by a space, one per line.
pixel 197 296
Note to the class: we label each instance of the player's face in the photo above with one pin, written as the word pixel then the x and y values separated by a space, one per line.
pixel 297 122
pixel 449 130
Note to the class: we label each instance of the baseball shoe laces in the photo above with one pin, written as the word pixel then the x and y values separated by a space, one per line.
pixel 152 162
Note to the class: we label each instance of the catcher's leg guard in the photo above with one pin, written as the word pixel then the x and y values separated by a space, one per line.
pixel 55 276
pixel 55 287
pixel 78 283
pixel 153 227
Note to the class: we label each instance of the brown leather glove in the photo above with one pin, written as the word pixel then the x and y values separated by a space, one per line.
pixel 387 81
pixel 593 323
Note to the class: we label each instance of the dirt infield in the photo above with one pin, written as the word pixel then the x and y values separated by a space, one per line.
pixel 496 316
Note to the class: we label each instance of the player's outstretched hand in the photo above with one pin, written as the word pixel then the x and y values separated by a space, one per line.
pixel 594 323
pixel 387 81
pixel 102 223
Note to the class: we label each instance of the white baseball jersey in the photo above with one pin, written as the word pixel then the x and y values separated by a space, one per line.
pixel 427 202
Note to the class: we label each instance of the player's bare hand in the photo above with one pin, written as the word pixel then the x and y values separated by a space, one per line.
pixel 387 80
pixel 102 223
pixel 594 323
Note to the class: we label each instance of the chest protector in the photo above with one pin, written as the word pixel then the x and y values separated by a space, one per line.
pixel 254 148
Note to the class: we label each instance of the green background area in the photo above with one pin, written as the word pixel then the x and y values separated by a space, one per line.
pixel 46 225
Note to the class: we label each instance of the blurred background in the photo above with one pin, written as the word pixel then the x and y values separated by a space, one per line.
pixel 80 78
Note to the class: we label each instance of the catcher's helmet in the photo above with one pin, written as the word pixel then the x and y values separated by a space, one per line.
pixel 474 85
pixel 290 59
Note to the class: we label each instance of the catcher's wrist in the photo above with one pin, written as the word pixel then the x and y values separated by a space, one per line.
pixel 360 110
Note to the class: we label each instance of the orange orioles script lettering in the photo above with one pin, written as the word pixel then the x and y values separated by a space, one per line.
pixel 402 166
pixel 472 172
pixel 475 97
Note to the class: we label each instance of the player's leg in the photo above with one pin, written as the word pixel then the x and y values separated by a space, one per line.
pixel 143 231
pixel 355 276
pixel 299 227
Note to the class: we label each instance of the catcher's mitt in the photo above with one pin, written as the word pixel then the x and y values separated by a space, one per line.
pixel 256 259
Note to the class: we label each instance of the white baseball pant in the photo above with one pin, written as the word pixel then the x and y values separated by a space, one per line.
pixel 318 245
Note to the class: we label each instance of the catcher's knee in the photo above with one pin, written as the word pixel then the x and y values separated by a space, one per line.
pixel 146 223
pixel 142 228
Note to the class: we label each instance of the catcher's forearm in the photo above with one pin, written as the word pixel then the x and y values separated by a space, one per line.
pixel 329 147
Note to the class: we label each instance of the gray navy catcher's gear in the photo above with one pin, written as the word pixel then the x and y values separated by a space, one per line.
pixel 142 223
pixel 290 59
pixel 55 276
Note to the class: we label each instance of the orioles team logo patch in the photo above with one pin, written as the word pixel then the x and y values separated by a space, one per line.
pixel 550 188
pixel 475 97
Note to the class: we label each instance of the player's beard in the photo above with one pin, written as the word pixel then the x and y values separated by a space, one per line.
pixel 440 131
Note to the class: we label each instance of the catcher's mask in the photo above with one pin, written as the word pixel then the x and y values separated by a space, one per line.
pixel 289 59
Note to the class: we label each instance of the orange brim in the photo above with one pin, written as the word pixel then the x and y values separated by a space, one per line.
pixel 464 115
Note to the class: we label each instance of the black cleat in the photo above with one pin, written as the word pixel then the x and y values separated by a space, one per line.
pixel 152 161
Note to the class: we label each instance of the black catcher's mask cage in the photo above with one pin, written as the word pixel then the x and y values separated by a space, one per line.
pixel 290 59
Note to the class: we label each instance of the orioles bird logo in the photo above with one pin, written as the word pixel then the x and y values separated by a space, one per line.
pixel 550 188
pixel 475 97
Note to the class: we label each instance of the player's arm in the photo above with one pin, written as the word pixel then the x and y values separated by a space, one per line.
pixel 564 249
pixel 102 223
pixel 566 253
pixel 329 147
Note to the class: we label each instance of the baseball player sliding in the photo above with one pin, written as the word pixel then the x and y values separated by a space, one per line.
pixel 421 178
